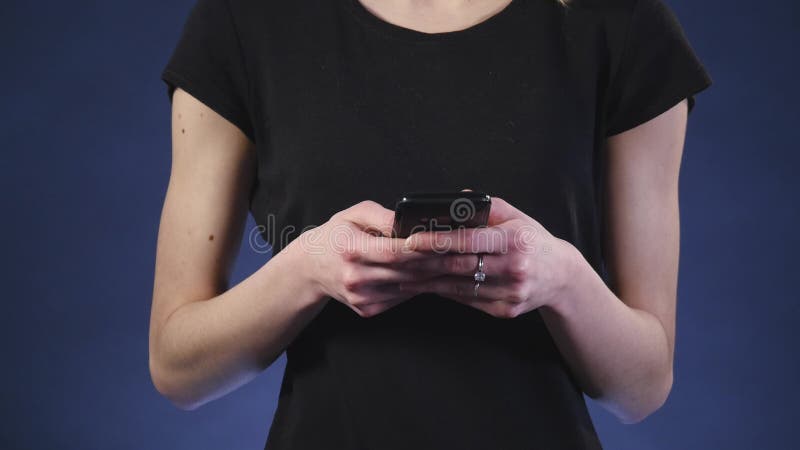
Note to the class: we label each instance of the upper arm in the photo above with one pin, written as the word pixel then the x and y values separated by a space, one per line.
pixel 643 229
pixel 204 210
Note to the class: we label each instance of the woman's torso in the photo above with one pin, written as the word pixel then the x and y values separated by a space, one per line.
pixel 350 108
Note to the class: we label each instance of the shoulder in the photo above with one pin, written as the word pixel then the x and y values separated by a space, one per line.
pixel 617 22
pixel 621 11
pixel 264 15
pixel 591 19
pixel 274 7
pixel 615 6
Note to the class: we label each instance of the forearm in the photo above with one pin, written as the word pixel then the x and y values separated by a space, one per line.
pixel 206 349
pixel 620 355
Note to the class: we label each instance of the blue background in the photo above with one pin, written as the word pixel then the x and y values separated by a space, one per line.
pixel 84 126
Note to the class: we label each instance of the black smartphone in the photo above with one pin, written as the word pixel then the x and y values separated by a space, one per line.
pixel 440 211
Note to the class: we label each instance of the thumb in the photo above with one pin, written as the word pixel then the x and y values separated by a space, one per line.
pixel 502 211
pixel 370 216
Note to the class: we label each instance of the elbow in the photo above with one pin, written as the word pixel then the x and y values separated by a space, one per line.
pixel 654 396
pixel 166 376
pixel 169 388
pixel 632 406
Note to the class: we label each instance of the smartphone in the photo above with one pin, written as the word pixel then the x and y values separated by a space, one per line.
pixel 440 211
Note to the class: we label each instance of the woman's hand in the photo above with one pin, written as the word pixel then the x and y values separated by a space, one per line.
pixel 526 267
pixel 352 259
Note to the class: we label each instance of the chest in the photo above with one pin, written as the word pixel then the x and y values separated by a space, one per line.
pixel 360 116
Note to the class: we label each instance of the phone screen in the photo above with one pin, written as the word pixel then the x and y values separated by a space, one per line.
pixel 440 211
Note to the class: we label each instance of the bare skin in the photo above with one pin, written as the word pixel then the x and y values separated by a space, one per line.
pixel 206 339
pixel 434 16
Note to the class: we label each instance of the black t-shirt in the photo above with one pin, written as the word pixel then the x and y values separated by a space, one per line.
pixel 343 106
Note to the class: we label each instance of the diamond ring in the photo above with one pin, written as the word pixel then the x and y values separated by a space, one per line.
pixel 480 275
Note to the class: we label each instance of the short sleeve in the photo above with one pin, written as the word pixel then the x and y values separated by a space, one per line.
pixel 208 63
pixel 657 69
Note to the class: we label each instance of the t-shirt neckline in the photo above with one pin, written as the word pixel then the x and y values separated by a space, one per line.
pixel 493 22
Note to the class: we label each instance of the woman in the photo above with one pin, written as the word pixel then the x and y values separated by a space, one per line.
pixel 317 115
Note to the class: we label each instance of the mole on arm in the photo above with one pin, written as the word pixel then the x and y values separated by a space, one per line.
pixel 210 237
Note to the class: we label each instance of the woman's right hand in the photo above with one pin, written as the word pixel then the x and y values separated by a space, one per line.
pixel 353 259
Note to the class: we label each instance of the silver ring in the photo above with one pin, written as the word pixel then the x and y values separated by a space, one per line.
pixel 480 275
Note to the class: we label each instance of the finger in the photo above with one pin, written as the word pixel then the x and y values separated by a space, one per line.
pixel 374 309
pixel 462 240
pixel 387 251
pixel 455 286
pixel 465 264
pixel 370 215
pixel 502 211
pixel 353 244
pixel 495 308
pixel 376 275
pixel 368 294
pixel 375 299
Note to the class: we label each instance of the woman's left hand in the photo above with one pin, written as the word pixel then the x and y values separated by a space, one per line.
pixel 526 267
